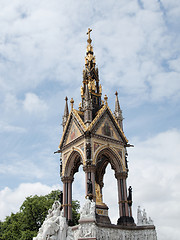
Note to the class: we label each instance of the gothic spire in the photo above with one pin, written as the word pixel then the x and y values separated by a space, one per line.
pixel 66 113
pixel 91 78
pixel 118 112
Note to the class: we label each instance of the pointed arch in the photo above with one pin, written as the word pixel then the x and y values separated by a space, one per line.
pixel 103 157
pixel 75 159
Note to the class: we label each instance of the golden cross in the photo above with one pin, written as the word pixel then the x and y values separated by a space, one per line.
pixel 88 33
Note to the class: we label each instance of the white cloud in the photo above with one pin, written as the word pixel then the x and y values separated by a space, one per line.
pixel 41 42
pixel 33 104
pixel 24 169
pixel 154 175
pixel 12 199
pixel 5 127
pixel 42 48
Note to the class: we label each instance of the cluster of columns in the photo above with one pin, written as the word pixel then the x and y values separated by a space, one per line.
pixel 67 196
pixel 90 179
pixel 125 210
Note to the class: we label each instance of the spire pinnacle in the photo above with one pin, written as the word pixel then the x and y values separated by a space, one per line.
pixel 106 98
pixel 118 111
pixel 72 103
pixel 117 105
pixel 91 90
pixel 66 112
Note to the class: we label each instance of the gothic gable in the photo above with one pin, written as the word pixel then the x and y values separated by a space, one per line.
pixel 73 133
pixel 74 129
pixel 107 128
pixel 106 125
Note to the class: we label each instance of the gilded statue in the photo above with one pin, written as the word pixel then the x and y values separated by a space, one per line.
pixel 98 195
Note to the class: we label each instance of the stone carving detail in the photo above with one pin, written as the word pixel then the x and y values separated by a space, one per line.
pixel 119 234
pixel 142 219
pixel 87 230
pixel 54 227
pixel 88 210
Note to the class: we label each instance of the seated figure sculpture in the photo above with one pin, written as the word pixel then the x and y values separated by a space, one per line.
pixel 54 226
pixel 88 210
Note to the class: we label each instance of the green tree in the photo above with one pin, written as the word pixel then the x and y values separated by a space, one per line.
pixel 25 224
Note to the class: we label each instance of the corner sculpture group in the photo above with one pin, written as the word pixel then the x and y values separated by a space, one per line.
pixel 55 226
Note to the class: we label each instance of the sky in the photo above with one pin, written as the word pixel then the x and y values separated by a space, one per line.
pixel 137 48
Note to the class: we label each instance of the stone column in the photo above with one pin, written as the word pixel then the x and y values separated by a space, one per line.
pixel 122 194
pixel 64 198
pixel 67 196
pixel 125 195
pixel 70 180
pixel 90 174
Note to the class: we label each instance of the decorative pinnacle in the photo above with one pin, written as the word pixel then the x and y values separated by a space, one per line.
pixel 89 38
pixel 72 102
pixel 66 98
pixel 116 93
pixel 105 98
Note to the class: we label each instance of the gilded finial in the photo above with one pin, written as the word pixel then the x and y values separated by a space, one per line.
pixel 80 106
pixel 72 102
pixel 89 38
pixel 105 98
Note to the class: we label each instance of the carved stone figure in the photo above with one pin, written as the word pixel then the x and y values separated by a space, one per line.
pixel 142 219
pixel 88 210
pixel 129 198
pixel 54 227
pixel 144 215
pixel 88 150
pixel 89 186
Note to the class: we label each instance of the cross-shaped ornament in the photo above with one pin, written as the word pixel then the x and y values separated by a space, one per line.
pixel 88 33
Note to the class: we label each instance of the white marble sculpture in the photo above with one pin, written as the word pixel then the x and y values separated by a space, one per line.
pixel 54 226
pixel 142 219
pixel 88 210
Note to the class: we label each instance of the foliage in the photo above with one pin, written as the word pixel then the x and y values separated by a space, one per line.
pixel 24 224
pixel 75 213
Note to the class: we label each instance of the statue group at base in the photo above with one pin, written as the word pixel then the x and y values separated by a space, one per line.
pixel 55 226
pixel 142 219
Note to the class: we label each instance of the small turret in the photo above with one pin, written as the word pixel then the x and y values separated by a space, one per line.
pixel 66 113
pixel 118 112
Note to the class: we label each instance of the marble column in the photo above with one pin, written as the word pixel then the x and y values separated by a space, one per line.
pixel 70 198
pixel 122 194
pixel 67 196
pixel 90 174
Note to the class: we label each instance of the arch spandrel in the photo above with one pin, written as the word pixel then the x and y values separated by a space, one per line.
pixel 74 159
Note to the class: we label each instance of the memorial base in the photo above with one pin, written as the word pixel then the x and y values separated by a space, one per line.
pixel 87 239
pixel 95 231
pixel 126 221
pixel 102 214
